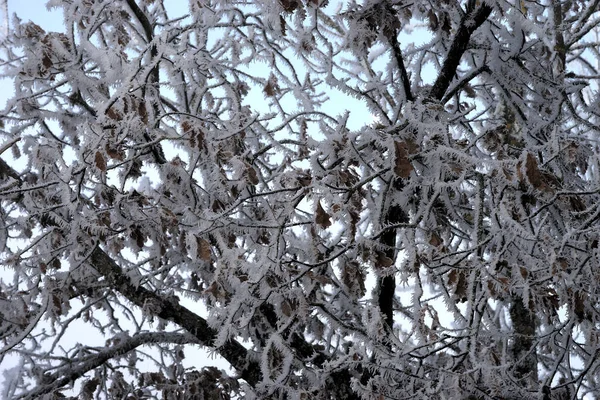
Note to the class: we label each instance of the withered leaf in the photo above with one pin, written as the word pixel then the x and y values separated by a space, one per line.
pixel 114 152
pixel 114 114
pixel 289 5
pixel 382 261
pixel 137 235
pixel 402 167
pixel 435 240
pixel 354 278
pixel 433 20
pixel 524 272
pixel 142 112
pixel 459 277
pixel 533 173
pixel 282 23
pixel 288 307
pixel 321 217
pixel 56 263
pixel 217 206
pixel 100 161
pixel 56 304
pixel 579 300
pixel 203 252
pixel 271 88
pixel 252 175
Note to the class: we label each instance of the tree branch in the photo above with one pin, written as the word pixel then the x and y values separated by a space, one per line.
pixel 69 373
pixel 393 39
pixel 469 24
pixel 172 311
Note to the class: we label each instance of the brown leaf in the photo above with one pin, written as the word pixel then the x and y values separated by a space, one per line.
pixel 55 263
pixel 56 304
pixel 534 175
pixel 435 240
pixel 469 91
pixel 46 60
pixel 453 277
pixel 433 20
pixel 252 175
pixel 288 307
pixel 282 24
pixel 142 112
pixel 33 31
pixel 577 203
pixel 137 235
pixel 203 252
pixel 446 25
pixel 579 301
pixel 114 153
pixel 524 272
pixel 492 289
pixel 271 88
pixel 216 291
pixel 114 114
pixel 289 5
pixel 382 261
pixel 354 278
pixel 100 161
pixel 322 218
pixel 402 167
pixel 459 277
pixel 218 206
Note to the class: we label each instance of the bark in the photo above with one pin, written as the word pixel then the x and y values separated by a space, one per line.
pixel 472 20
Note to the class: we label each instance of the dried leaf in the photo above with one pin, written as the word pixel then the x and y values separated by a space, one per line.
pixel 203 251
pixel 217 206
pixel 282 24
pixel 322 218
pixel 382 261
pixel 114 114
pixel 55 263
pixel 402 167
pixel 287 308
pixel 433 20
pixel 215 290
pixel 459 277
pixel 251 174
pixel 579 299
pixel 100 161
pixel 289 5
pixel 271 88
pixel 354 278
pixel 137 235
pixel 452 277
pixel 142 112
pixel 524 272
pixel 33 31
pixel 88 388
pixel 469 91
pixel 435 240
pixel 533 173
pixel 56 304
pixel 114 152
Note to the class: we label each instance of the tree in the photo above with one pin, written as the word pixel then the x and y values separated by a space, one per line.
pixel 447 250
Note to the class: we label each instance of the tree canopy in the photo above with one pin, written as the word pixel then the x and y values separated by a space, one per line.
pixel 170 182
